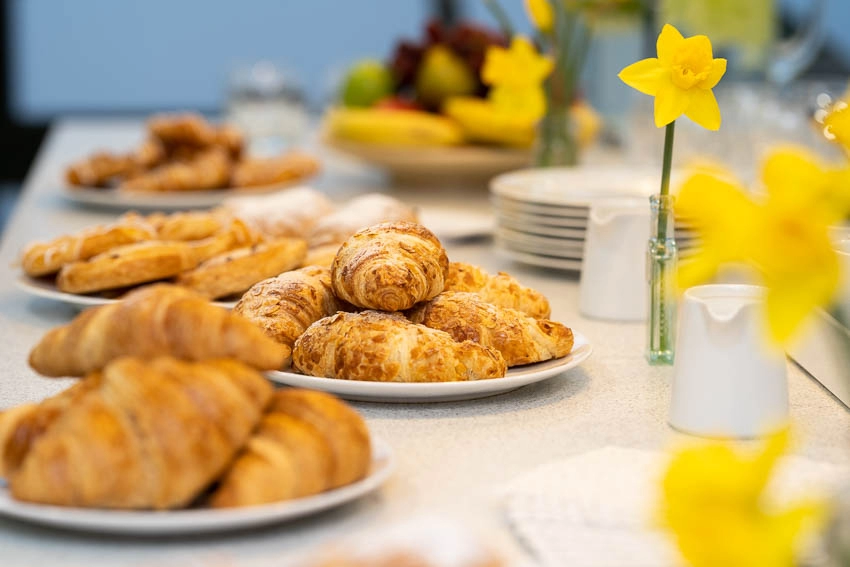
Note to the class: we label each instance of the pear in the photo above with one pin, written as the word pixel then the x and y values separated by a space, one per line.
pixel 443 74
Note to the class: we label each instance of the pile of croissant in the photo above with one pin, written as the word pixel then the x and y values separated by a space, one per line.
pixel 171 411
pixel 219 253
pixel 392 308
pixel 184 152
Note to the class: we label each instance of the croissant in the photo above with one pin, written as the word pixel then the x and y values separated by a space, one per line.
pixel 390 267
pixel 286 305
pixel 307 442
pixel 502 289
pixel 520 338
pixel 156 320
pixel 386 347
pixel 147 434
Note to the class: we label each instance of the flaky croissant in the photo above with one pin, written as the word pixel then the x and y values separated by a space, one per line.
pixel 307 442
pixel 146 434
pixel 386 347
pixel 154 321
pixel 502 289
pixel 286 305
pixel 520 338
pixel 390 267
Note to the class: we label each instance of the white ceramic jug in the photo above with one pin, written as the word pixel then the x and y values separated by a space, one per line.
pixel 728 380
pixel 613 273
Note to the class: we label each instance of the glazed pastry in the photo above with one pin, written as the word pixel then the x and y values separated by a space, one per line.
pixel 237 270
pixel 286 305
pixel 43 258
pixel 520 338
pixel 502 289
pixel 146 435
pixel 151 153
pixel 390 267
pixel 357 214
pixel 182 129
pixel 287 168
pixel 321 255
pixel 291 213
pixel 210 169
pixel 307 442
pixel 386 347
pixel 153 321
pixel 193 225
pixel 99 169
pixel 230 138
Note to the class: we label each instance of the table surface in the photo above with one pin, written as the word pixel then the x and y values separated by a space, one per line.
pixel 451 457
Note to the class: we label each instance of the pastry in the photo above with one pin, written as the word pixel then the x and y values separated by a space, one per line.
pixel 237 270
pixel 390 266
pixel 292 212
pixel 210 169
pixel 188 129
pixel 289 167
pixel 307 442
pixel 520 338
pixel 321 255
pixel 286 305
pixel 148 434
pixel 502 289
pixel 386 347
pixel 193 225
pixel 155 320
pixel 99 169
pixel 230 138
pixel 357 214
pixel 43 258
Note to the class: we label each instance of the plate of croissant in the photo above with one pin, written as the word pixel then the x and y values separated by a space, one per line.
pixel 394 320
pixel 172 428
pixel 184 162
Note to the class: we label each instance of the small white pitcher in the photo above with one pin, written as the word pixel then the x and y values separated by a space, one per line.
pixel 613 273
pixel 728 381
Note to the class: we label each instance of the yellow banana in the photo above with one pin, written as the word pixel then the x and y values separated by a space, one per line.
pixel 392 127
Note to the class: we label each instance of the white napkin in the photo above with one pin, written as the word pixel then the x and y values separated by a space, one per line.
pixel 596 509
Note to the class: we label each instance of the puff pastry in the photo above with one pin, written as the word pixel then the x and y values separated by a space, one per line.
pixel 188 128
pixel 284 306
pixel 502 289
pixel 307 442
pixel 146 434
pixel 386 347
pixel 209 169
pixel 193 225
pixel 291 213
pixel 99 169
pixel 520 338
pixel 237 270
pixel 152 321
pixel 357 214
pixel 390 267
pixel 289 167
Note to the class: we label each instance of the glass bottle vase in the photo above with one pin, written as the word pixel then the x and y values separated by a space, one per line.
pixel 662 256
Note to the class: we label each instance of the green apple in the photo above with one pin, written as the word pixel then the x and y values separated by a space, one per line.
pixel 366 83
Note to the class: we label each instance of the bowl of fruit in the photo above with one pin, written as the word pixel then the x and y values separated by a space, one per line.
pixel 412 116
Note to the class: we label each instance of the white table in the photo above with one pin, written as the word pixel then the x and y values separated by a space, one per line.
pixel 451 456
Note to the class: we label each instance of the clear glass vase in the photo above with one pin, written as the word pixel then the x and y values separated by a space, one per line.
pixel 557 143
pixel 662 256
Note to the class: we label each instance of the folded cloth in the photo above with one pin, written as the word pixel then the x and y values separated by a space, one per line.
pixel 599 509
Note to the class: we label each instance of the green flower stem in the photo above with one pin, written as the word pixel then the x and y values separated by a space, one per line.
pixel 666 166
pixel 501 17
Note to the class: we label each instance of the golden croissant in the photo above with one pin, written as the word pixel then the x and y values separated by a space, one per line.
pixel 390 267
pixel 144 434
pixel 153 321
pixel 502 289
pixel 520 338
pixel 386 347
pixel 307 442
pixel 286 305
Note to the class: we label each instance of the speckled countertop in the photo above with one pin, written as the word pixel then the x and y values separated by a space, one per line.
pixel 451 457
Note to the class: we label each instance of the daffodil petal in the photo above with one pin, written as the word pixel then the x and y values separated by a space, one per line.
pixel 541 14
pixel 703 109
pixel 670 103
pixel 718 69
pixel 791 300
pixel 697 269
pixel 644 76
pixel 669 42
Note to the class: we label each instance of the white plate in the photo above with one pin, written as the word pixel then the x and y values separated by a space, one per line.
pixel 558 246
pixel 450 223
pixel 46 289
pixel 558 252
pixel 200 520
pixel 394 392
pixel 506 223
pixel 567 264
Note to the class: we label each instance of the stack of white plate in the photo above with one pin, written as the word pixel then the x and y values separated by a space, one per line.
pixel 541 214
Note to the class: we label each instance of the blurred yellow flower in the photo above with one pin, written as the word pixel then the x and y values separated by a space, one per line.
pixel 784 235
pixel 836 124
pixel 541 14
pixel 713 500
pixel 680 79
pixel 518 67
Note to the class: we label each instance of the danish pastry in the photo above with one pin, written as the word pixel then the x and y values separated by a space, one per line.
pixel 210 169
pixel 502 289
pixel 193 225
pixel 254 172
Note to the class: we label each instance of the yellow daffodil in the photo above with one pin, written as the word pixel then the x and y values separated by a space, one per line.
pixel 518 67
pixel 541 14
pixel 836 124
pixel 714 502
pixel 784 235
pixel 680 79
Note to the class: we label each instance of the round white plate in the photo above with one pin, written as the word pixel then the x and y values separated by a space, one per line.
pixel 545 243
pixel 47 289
pixel 570 265
pixel 450 223
pixel 519 218
pixel 198 520
pixel 395 392
pixel 558 252
pixel 531 229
